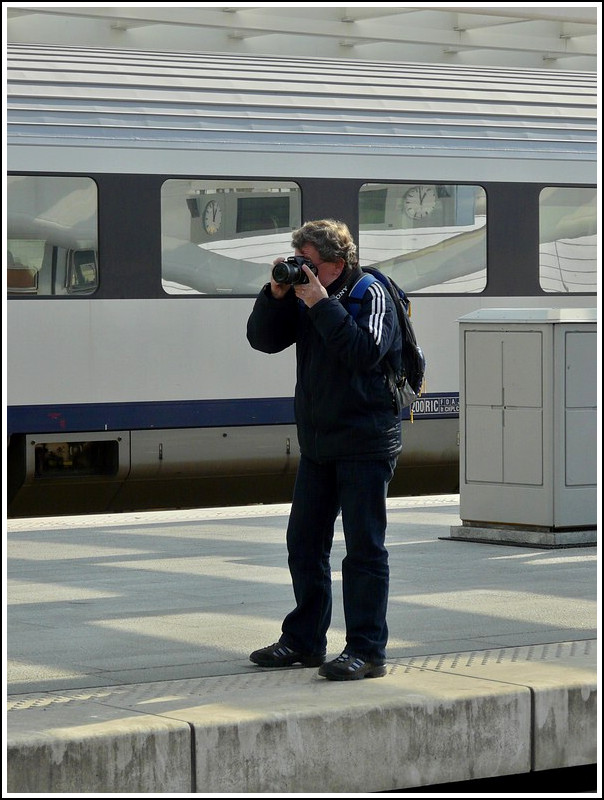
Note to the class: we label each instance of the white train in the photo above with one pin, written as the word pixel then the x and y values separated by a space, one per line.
pixel 148 194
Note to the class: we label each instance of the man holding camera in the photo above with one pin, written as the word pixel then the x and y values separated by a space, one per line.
pixel 350 437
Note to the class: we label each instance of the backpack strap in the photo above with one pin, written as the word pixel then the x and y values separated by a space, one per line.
pixel 357 292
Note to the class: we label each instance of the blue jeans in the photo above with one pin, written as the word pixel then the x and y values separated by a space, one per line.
pixel 358 489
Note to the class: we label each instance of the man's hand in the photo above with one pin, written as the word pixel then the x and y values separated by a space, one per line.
pixel 279 290
pixel 311 292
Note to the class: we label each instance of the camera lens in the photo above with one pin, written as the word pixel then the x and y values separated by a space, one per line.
pixel 286 273
pixel 290 271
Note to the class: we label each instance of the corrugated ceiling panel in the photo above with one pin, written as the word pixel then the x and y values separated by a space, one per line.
pixel 62 95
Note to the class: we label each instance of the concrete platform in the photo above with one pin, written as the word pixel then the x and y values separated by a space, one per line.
pixel 128 671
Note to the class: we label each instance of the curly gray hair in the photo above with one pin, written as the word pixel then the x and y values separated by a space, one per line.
pixel 332 239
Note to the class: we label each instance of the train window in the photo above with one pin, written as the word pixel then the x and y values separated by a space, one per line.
pixel 567 239
pixel 52 235
pixel 56 459
pixel 220 236
pixel 428 237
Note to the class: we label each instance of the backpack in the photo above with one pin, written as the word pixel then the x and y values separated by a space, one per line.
pixel 405 380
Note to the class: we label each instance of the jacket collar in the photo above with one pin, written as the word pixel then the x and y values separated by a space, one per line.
pixel 341 287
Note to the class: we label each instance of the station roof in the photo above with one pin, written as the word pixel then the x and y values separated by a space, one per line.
pixel 554 38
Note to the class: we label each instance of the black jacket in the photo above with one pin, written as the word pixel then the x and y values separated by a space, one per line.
pixel 343 406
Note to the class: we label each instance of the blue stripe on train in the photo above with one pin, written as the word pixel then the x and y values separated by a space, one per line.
pixel 143 416
pixel 68 418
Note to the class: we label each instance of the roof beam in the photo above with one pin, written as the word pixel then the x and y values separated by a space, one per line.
pixel 580 14
pixel 550 32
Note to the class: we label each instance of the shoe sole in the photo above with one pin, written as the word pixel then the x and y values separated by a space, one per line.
pixel 286 662
pixel 376 672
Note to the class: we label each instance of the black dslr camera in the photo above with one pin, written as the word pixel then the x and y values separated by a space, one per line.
pixel 290 270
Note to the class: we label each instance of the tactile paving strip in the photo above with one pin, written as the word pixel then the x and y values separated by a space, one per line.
pixel 198 514
pixel 580 654
pixel 139 693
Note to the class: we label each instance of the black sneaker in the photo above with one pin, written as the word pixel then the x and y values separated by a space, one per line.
pixel 351 668
pixel 279 655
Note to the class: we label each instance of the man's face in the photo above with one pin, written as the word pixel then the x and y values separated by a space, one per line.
pixel 327 271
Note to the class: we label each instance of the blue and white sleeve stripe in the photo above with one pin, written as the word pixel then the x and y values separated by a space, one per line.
pixel 378 311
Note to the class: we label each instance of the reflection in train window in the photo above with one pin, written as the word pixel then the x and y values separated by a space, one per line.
pixel 23 263
pixel 51 235
pixel 82 272
pixel 428 237
pixel 70 459
pixel 568 239
pixel 219 237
